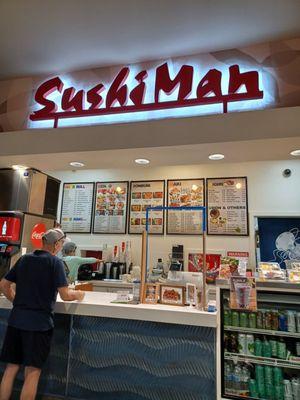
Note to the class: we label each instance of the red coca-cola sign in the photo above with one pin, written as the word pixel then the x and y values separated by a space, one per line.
pixel 36 235
pixel 120 96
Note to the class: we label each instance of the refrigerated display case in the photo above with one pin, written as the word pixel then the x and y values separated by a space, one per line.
pixel 260 351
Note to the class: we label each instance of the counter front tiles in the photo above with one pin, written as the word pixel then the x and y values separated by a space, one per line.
pixel 99 304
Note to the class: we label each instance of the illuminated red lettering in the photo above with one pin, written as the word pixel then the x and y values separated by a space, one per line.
pixel 118 91
pixel 43 91
pixel 138 93
pixel 71 101
pixel 94 98
pixel 211 83
pixel 237 79
pixel 184 79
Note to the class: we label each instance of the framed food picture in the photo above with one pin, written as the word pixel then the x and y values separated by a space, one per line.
pixel 185 193
pixel 172 295
pixel 194 262
pixel 145 194
pixel 151 293
pixel 110 214
pixel 227 206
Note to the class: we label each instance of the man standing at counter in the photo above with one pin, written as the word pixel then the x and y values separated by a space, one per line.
pixel 38 276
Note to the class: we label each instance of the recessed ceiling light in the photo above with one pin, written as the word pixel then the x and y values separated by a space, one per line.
pixel 19 167
pixel 295 153
pixel 142 161
pixel 216 157
pixel 77 164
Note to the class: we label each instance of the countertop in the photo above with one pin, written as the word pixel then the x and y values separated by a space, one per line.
pixel 99 304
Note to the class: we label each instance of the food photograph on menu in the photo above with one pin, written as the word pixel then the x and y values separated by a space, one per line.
pixel 227 206
pixel 77 206
pixel 185 193
pixel 145 194
pixel 111 207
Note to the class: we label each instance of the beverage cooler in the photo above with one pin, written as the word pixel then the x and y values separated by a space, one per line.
pixel 20 232
pixel 260 351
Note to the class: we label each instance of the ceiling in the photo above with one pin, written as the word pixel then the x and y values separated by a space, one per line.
pixel 251 150
pixel 43 37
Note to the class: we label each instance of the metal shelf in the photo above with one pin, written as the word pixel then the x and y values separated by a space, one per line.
pixel 262 360
pixel 267 332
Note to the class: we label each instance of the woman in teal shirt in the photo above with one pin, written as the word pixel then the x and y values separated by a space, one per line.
pixel 74 262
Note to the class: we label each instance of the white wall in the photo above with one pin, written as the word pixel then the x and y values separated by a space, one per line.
pixel 269 193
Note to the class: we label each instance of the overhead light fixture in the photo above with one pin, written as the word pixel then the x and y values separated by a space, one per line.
pixel 141 161
pixel 77 164
pixel 295 153
pixel 19 167
pixel 216 157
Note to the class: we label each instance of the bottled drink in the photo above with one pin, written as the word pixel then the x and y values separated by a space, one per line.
pixel 268 317
pixel 237 386
pixel 250 344
pixel 235 320
pixel 275 320
pixel 273 344
pixel 245 378
pixel 268 374
pixel 228 378
pixel 267 352
pixel 227 317
pixel 259 320
pixel 277 375
pixel 281 349
pixel 252 320
pixel 298 321
pixel 244 320
pixel 242 338
pixel 234 346
pixel 258 347
pixel 259 374
pixel 291 321
pixel 282 322
pixel 136 290
pixel 253 388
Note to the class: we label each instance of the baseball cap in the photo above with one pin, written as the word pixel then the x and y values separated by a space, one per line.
pixel 51 236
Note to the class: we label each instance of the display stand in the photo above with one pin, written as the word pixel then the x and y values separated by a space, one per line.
pixel 145 243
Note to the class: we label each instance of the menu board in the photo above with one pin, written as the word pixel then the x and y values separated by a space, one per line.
pixel 146 194
pixel 111 207
pixel 77 205
pixel 185 193
pixel 227 206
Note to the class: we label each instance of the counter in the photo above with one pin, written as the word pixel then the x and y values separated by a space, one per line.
pixel 127 352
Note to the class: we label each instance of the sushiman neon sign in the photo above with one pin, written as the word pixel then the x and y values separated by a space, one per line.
pixel 119 98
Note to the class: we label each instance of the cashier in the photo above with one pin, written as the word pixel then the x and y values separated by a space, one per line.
pixel 73 262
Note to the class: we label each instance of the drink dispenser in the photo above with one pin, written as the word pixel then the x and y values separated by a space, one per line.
pixel 10 240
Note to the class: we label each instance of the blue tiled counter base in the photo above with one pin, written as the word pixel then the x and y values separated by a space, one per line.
pixel 137 360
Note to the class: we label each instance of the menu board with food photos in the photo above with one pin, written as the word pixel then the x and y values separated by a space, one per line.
pixel 185 193
pixel 111 207
pixel 227 206
pixel 77 205
pixel 144 194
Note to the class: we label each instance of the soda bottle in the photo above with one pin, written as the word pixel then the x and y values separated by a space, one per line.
pixel 237 380
pixel 243 320
pixel 259 320
pixel 282 321
pixel 228 378
pixel 252 320
pixel 227 317
pixel 273 344
pixel 258 347
pixel 267 352
pixel 281 349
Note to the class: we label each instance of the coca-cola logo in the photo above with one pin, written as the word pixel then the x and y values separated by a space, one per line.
pixel 36 235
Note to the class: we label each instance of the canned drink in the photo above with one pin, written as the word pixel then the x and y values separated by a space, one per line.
pixel 263 319
pixel 259 320
pixel 298 321
pixel 235 320
pixel 227 318
pixel 287 388
pixel 296 388
pixel 243 320
pixel 268 317
pixel 282 322
pixel 298 348
pixel 253 388
pixel 273 344
pixel 279 392
pixel 258 348
pixel 250 344
pixel 252 320
pixel 268 375
pixel 275 320
pixel 267 352
pixel 242 338
pixel 278 375
pixel 291 321
pixel 281 349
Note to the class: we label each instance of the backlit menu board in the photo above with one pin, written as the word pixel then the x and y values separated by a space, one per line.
pixel 144 194
pixel 227 206
pixel 185 193
pixel 77 205
pixel 111 207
